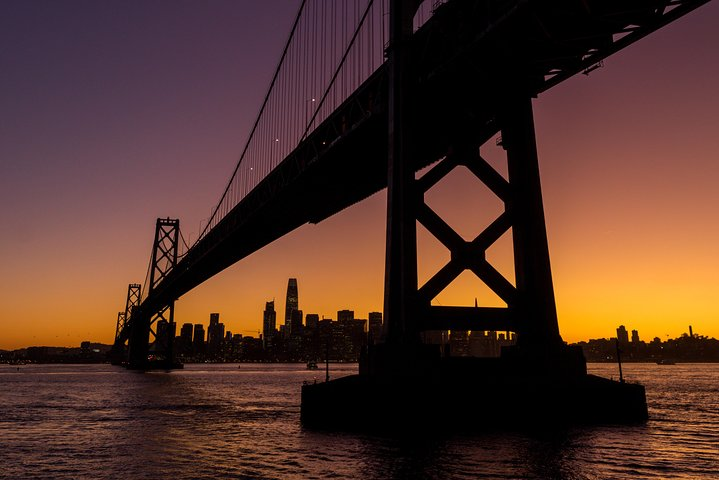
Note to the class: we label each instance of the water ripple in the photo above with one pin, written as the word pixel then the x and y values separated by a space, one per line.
pixel 217 421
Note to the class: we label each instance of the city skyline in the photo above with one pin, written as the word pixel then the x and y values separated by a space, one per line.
pixel 95 124
pixel 213 317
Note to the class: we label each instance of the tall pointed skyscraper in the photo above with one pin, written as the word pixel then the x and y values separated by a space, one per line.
pixel 291 304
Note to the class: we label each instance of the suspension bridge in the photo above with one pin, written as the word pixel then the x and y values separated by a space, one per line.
pixel 367 93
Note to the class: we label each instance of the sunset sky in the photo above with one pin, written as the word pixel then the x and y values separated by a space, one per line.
pixel 113 113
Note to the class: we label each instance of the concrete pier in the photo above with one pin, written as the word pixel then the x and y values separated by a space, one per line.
pixel 471 394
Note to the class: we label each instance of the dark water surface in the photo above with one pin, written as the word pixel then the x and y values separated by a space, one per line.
pixel 218 421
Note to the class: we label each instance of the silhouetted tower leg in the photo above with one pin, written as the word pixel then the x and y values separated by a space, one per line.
pixel 120 325
pixel 164 259
pixel 132 300
pixel 537 313
pixel 117 353
pixel 400 326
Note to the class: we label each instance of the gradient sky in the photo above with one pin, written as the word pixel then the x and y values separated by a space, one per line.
pixel 113 113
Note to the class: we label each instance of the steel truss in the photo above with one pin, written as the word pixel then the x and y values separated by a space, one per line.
pixel 153 332
pixel 530 310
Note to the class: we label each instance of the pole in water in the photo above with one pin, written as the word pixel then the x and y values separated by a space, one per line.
pixel 619 361
pixel 327 361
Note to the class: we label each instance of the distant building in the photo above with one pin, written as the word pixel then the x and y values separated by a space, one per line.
pixel 292 303
pixel 296 323
pixel 483 344
pixel 184 345
pixel 459 343
pixel 622 335
pixel 269 324
pixel 436 337
pixel 355 337
pixel 215 334
pixel 375 326
pixel 295 341
pixel 186 332
pixel 312 338
pixel 312 322
pixel 635 337
pixel 345 315
pixel 198 340
pixel 489 343
pixel 164 335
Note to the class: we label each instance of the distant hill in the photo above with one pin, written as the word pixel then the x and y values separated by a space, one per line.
pixel 92 353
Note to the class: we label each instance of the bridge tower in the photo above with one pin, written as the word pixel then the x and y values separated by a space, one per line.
pixel 134 294
pixel 531 311
pixel 404 383
pixel 153 332
pixel 132 300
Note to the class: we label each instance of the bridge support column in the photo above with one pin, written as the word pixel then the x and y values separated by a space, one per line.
pixel 122 333
pixel 400 325
pixel 401 349
pixel 120 325
pixel 138 346
pixel 536 309
pixel 117 353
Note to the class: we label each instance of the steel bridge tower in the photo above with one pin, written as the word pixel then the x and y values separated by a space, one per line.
pixel 406 383
pixel 118 353
pixel 152 333
pixel 531 310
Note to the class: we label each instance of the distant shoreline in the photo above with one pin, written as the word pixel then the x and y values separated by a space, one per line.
pixel 650 362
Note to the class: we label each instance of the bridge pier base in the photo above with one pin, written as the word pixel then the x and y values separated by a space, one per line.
pixel 471 394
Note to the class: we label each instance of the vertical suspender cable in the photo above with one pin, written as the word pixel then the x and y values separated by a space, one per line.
pixel 259 116
pixel 342 62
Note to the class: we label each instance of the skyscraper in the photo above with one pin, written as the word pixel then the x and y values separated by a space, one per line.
pixel 186 332
pixel 345 315
pixel 622 335
pixel 269 323
pixel 312 321
pixel 296 323
pixel 292 303
pixel 185 344
pixel 375 326
pixel 215 334
pixel 198 339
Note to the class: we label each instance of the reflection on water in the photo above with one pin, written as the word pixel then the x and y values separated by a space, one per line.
pixel 218 421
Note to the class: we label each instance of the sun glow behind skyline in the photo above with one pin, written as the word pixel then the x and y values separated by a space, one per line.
pixel 101 137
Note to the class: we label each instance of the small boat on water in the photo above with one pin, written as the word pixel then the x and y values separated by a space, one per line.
pixel 664 361
pixel 311 365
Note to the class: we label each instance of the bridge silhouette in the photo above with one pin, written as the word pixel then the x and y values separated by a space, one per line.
pixel 366 94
